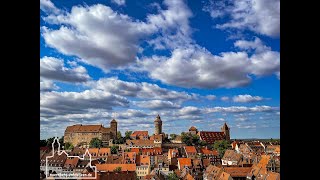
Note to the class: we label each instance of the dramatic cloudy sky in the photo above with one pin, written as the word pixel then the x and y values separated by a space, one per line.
pixel 199 63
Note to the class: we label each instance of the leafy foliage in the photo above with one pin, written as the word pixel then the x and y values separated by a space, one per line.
pixel 95 143
pixel 127 134
pixel 221 146
pixel 117 169
pixel 120 139
pixel 114 149
pixel 173 136
pixel 190 139
pixel 172 176
pixel 43 142
pixel 68 146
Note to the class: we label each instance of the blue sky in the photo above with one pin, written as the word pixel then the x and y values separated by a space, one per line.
pixel 199 63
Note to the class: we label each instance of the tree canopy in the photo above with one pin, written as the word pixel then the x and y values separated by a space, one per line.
pixel 190 139
pixel 172 176
pixel 95 143
pixel 173 136
pixel 221 146
pixel 114 149
pixel 127 134
pixel 68 146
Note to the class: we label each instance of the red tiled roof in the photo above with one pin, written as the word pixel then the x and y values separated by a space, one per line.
pixel 190 149
pixel 143 160
pixel 157 137
pixel 209 152
pixel 129 156
pixel 231 155
pixel 111 167
pixel 273 176
pixel 189 177
pixel 136 150
pixel 206 162
pixel 105 151
pixel 93 151
pixel 237 171
pixel 139 133
pixel 140 142
pixel 211 137
pixel 151 151
pixel 84 128
pixel 171 151
pixel 184 162
pixel 72 162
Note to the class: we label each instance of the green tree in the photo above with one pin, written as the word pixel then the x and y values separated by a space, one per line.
pixel 127 134
pixel 221 146
pixel 173 136
pixel 172 176
pixel 95 143
pixel 68 146
pixel 117 169
pixel 119 136
pixel 43 142
pixel 114 149
pixel 202 143
pixel 185 138
pixel 120 139
pixel 195 139
pixel 61 140
pixel 50 141
pixel 190 139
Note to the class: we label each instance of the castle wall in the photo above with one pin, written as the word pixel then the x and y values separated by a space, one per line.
pixel 104 134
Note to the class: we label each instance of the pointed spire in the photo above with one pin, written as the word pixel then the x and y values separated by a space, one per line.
pixel 158 119
pixel 225 126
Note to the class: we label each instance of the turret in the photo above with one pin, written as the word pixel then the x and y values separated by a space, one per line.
pixel 226 130
pixel 157 125
pixel 113 127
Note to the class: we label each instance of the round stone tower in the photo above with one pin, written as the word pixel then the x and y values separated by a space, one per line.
pixel 157 125
pixel 113 128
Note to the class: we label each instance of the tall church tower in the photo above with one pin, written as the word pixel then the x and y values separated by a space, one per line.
pixel 157 125
pixel 226 130
pixel 113 127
